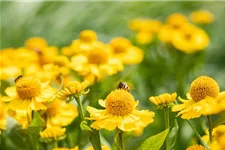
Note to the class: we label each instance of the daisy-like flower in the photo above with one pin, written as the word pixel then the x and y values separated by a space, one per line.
pixel 87 40
pixel 96 64
pixel 119 113
pixel 73 88
pixel 62 148
pixel 36 43
pixel 103 148
pixel 29 94
pixel 202 17
pixel 125 51
pixel 2 116
pixel 53 134
pixel 202 100
pixel 144 37
pixel 196 147
pixel 163 99
pixel 217 142
pixel 60 113
pixel 190 39
pixel 173 24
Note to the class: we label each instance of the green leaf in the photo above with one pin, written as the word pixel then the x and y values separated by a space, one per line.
pixel 173 134
pixel 219 120
pixel 155 142
pixel 36 125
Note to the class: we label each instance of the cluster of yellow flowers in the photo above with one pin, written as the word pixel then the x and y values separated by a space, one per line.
pixel 177 31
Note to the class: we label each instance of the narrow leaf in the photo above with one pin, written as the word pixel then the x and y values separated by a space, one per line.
pixel 155 142
pixel 36 125
pixel 173 134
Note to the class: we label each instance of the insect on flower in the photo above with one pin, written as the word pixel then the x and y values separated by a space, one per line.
pixel 17 78
pixel 123 85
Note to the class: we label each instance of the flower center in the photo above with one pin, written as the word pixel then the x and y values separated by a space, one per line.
pixel 203 86
pixel 98 56
pixel 120 102
pixel 53 109
pixel 28 87
pixel 120 45
pixel 88 36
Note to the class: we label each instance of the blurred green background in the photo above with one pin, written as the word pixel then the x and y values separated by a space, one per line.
pixel 61 22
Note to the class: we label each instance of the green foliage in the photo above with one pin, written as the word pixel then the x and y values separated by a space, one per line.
pixel 220 120
pixel 36 125
pixel 173 135
pixel 155 142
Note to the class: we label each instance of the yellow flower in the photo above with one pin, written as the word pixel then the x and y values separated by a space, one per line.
pixel 174 23
pixel 190 39
pixel 87 40
pixel 203 99
pixel 36 43
pixel 9 72
pixel 97 62
pixel 2 116
pixel 218 138
pixel 53 133
pixel 125 51
pixel 22 118
pixel 144 37
pixel 119 113
pixel 72 89
pixel 75 148
pixel 176 20
pixel 202 17
pixel 144 25
pixel 47 55
pixel 103 148
pixel 163 99
pixel 60 113
pixel 29 94
pixel 196 147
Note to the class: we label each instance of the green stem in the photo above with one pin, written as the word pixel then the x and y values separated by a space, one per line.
pixel 167 124
pixel 210 127
pixel 80 107
pixel 55 144
pixel 119 139
pixel 198 136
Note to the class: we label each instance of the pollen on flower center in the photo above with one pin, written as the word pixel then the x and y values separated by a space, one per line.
pixel 204 86
pixel 98 56
pixel 28 87
pixel 120 102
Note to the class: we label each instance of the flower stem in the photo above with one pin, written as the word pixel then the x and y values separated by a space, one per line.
pixel 210 127
pixel 119 139
pixel 55 144
pixel 167 124
pixel 198 136
pixel 80 107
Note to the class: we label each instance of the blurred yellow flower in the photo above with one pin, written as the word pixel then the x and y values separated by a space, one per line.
pixel 119 113
pixel 202 100
pixel 103 148
pixel 196 147
pixel 125 51
pixel 53 133
pixel 9 72
pixel 60 113
pixel 202 17
pixel 97 63
pixel 218 138
pixel 145 25
pixel 163 99
pixel 73 88
pixel 176 20
pixel 190 39
pixel 144 37
pixel 36 43
pixel 29 94
pixel 47 55
pixel 22 118
pixel 87 40
pixel 62 148
pixel 2 116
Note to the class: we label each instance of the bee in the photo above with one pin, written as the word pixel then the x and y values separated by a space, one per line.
pixel 123 85
pixel 17 78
